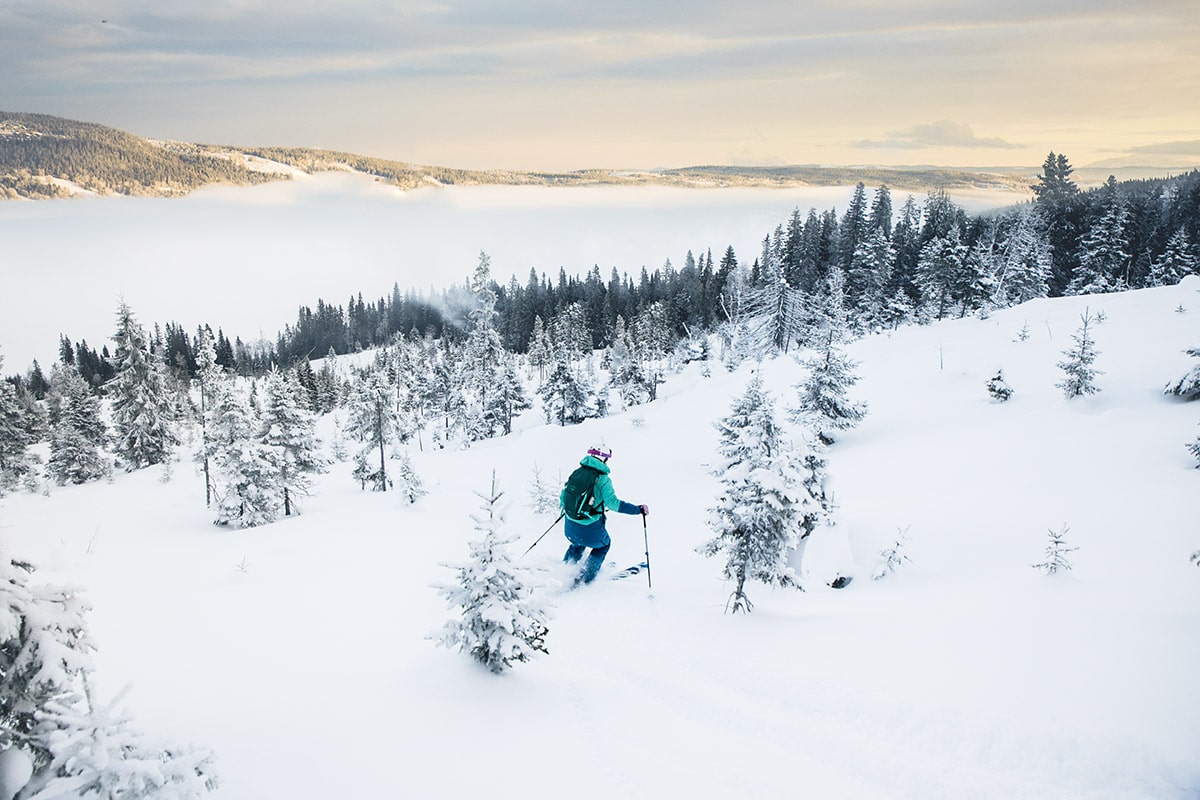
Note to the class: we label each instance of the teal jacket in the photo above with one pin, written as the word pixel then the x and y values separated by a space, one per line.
pixel 590 530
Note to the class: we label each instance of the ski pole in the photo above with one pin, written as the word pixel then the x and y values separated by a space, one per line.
pixel 646 540
pixel 543 536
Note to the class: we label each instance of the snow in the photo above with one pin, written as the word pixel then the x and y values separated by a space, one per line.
pixel 299 653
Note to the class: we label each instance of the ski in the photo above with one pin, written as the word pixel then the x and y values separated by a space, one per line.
pixel 634 570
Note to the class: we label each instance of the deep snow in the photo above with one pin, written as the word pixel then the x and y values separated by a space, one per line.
pixel 298 651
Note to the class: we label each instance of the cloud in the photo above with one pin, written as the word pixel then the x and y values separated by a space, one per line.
pixel 1189 147
pixel 943 133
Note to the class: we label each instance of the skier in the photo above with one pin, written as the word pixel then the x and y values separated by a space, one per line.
pixel 587 494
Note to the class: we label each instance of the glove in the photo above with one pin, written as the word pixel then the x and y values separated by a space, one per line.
pixel 645 510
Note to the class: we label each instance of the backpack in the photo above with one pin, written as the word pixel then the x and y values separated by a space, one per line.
pixel 579 500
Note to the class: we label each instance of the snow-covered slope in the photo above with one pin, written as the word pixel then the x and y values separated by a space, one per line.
pixel 298 651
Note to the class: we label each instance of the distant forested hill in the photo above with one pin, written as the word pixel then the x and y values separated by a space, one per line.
pixel 38 153
pixel 43 156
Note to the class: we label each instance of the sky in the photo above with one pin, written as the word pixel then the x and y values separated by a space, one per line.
pixel 552 85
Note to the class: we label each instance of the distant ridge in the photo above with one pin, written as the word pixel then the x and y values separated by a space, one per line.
pixel 43 156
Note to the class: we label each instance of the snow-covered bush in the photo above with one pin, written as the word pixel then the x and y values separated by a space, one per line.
pixel 1056 553
pixel 501 621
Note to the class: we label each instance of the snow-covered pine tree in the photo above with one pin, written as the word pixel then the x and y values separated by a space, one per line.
pixel 1176 262
pixel 1081 375
pixel 893 557
pixel 1188 386
pixel 940 269
pixel 764 504
pixel 408 483
pixel 1024 264
pixel 870 271
pixel 483 360
pixel 998 388
pixel 245 470
pixel 140 405
pixel 210 377
pixel 291 430
pixel 1104 260
pixel 78 749
pixel 1056 553
pixel 1194 449
pixel 372 420
pixel 567 397
pixel 501 620
pixel 16 461
pixel 78 432
pixel 330 387
pixel 976 285
pixel 822 397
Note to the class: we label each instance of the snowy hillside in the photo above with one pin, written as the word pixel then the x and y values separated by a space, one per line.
pixel 298 651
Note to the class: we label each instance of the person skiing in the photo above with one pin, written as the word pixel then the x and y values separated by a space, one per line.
pixel 589 493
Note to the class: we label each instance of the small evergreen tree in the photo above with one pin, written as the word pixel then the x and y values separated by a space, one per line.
pixel 998 388
pixel 1081 375
pixel 1056 553
pixel 822 396
pixel 501 620
pixel 140 405
pixel 1194 449
pixel 290 430
pixel 566 395
pixel 372 419
pixel 78 432
pixel 16 461
pixel 764 505
pixel 246 471
pixel 1176 262
pixel 892 557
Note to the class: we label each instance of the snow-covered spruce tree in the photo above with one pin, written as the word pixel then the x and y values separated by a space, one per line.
pixel 1024 263
pixel 16 461
pixel 893 557
pixel 290 430
pixel 78 432
pixel 140 404
pixel 210 378
pixel 77 748
pixel 1056 553
pixel 372 420
pixel 822 401
pixel 245 470
pixel 1194 449
pixel 567 397
pixel 998 388
pixel 764 505
pixel 1176 262
pixel 501 620
pixel 1081 375
pixel 1104 259
pixel 1188 386
pixel 940 269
